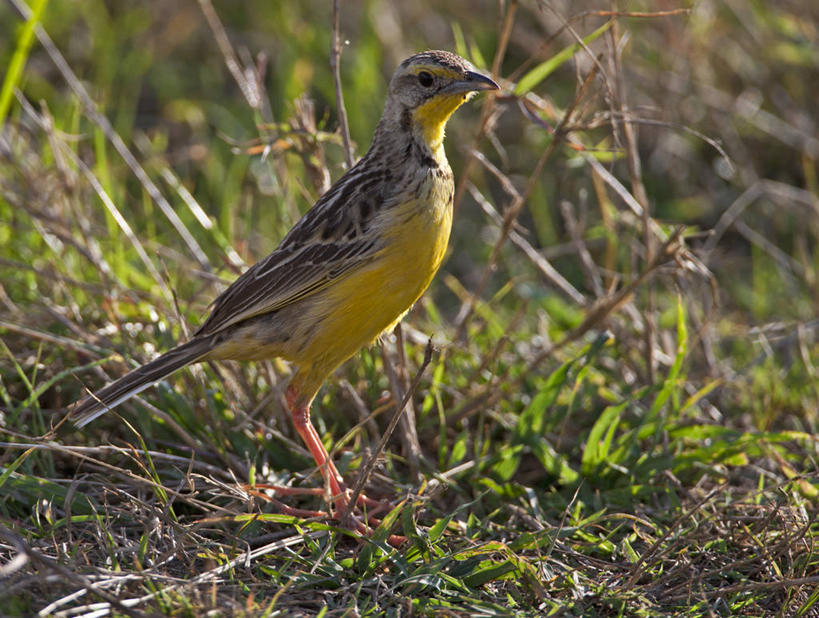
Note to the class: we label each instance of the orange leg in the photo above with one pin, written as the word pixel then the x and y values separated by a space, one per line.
pixel 300 413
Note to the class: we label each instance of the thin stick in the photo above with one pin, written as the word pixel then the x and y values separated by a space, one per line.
pixel 489 101
pixel 513 210
pixel 638 190
pixel 368 467
pixel 540 262
pixel 335 65
pixel 399 381
pixel 247 81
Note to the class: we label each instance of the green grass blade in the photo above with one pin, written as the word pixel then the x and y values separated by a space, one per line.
pixel 669 388
pixel 14 465
pixel 546 68
pixel 600 437
pixel 18 59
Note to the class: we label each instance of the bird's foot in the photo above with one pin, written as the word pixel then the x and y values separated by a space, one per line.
pixel 361 518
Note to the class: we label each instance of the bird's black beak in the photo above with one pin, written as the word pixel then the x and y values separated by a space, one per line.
pixel 472 81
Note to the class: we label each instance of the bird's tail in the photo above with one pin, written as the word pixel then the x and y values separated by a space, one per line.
pixel 139 379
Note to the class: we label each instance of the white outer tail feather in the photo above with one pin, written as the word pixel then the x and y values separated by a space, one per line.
pixel 97 404
pixel 84 419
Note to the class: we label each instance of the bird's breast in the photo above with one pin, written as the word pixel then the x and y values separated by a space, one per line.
pixel 418 234
pixel 412 232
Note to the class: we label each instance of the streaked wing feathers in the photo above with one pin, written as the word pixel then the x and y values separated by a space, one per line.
pixel 331 239
pixel 284 277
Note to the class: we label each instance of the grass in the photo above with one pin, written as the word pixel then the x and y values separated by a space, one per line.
pixel 619 414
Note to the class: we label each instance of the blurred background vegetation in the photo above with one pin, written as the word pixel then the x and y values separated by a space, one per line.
pixel 556 408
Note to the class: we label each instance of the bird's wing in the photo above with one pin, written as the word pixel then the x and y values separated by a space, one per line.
pixel 333 238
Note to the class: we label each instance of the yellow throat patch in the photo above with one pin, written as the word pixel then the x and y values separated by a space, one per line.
pixel 432 116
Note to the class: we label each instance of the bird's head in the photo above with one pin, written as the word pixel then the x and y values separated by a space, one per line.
pixel 428 87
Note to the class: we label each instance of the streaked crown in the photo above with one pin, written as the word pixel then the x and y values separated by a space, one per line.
pixel 436 73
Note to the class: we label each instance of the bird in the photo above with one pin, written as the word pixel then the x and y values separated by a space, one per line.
pixel 349 270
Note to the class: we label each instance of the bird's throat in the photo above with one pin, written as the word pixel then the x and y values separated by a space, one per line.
pixel 429 119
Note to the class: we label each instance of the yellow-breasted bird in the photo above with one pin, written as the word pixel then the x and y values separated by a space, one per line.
pixel 350 268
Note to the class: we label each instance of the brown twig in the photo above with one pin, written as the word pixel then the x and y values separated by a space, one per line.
pixel 540 262
pixel 574 227
pixel 489 101
pixel 366 471
pixel 335 65
pixel 651 14
pixel 515 206
pixel 399 383
pixel 246 80
pixel 638 190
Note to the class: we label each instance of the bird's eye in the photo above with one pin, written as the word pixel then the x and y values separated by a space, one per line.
pixel 425 79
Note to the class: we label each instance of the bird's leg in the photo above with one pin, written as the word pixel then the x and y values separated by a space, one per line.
pixel 300 413
pixel 299 408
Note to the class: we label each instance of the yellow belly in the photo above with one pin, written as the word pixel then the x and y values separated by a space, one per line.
pixel 355 310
